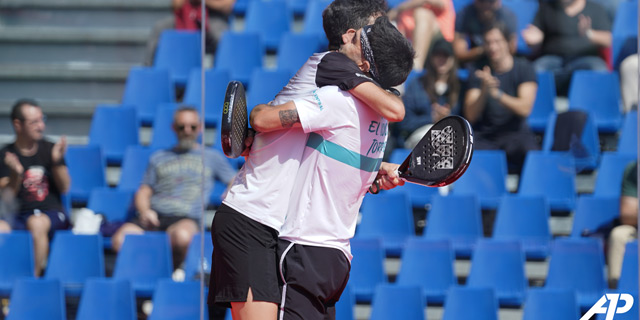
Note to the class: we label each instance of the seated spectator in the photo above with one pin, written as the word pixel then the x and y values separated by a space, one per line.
pixel 471 22
pixel 432 96
pixel 187 15
pixel 628 228
pixel 500 98
pixel 423 21
pixel 568 35
pixel 33 172
pixel 169 198
pixel 629 82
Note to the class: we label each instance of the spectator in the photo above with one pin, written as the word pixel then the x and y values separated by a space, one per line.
pixel 422 21
pixel 628 228
pixel 169 198
pixel 187 16
pixel 471 22
pixel 500 98
pixel 569 36
pixel 35 173
pixel 629 82
pixel 432 96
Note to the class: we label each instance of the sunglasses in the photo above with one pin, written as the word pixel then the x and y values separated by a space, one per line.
pixel 193 127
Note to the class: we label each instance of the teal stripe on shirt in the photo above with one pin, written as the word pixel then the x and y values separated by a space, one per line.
pixel 340 153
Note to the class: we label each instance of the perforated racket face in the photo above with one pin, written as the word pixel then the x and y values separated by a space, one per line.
pixel 443 154
pixel 234 125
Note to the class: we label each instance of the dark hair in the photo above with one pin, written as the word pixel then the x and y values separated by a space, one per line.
pixel 431 75
pixel 342 15
pixel 501 26
pixel 16 110
pixel 393 53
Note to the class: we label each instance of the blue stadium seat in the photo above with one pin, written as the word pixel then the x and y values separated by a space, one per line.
pixel 460 4
pixel 550 305
pixel 398 302
pixel 544 104
pixel 73 259
pixel 313 20
pixel 295 49
pixel 625 29
pixel 115 205
pixel 629 275
pixel 162 134
pixel 603 104
pixel 388 217
pixel 177 301
pixel 219 187
pixel 420 196
pixel 610 171
pixel 107 299
pixel 429 264
pixel 346 305
pixel 266 84
pixel 593 213
pixel 525 219
pixel 216 82
pixel 298 7
pixel 551 175
pixel 271 19
pixel 240 7
pixel 145 89
pixel 585 149
pixel 239 54
pixel 367 268
pixel 455 218
pixel 192 262
pixel 525 11
pixel 465 303
pixel 143 260
pixel 485 178
pixel 37 299
pixel 578 264
pixel 114 128
pixel 179 52
pixel 87 168
pixel 628 140
pixel 18 245
pixel 134 164
pixel 499 264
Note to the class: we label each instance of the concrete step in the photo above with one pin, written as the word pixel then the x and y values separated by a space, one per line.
pixel 44 34
pixel 64 90
pixel 66 71
pixel 12 52
pixel 59 108
pixel 91 17
pixel 99 4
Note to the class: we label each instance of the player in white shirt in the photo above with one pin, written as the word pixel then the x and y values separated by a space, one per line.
pixel 341 159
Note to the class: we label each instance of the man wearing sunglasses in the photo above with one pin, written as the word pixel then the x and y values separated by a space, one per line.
pixel 169 197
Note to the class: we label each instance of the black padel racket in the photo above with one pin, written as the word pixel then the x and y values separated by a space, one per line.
pixel 441 157
pixel 234 126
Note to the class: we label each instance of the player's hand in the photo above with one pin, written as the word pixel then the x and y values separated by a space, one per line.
pixel 248 142
pixel 388 176
pixel 12 161
pixel 149 218
pixel 59 149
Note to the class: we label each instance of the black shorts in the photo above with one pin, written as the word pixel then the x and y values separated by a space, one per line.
pixel 165 222
pixel 314 279
pixel 244 256
pixel 59 220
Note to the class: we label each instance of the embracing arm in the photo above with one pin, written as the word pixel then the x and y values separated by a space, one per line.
pixel 266 118
pixel 385 103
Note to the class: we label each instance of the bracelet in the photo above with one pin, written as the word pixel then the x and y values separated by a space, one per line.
pixel 589 33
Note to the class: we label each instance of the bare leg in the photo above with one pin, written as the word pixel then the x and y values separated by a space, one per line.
pixel 426 27
pixel 4 227
pixel 118 238
pixel 39 226
pixel 251 310
pixel 181 234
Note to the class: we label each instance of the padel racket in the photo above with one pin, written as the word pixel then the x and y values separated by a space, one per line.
pixel 234 126
pixel 441 157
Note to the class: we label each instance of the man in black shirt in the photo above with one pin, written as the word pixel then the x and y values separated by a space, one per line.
pixel 34 170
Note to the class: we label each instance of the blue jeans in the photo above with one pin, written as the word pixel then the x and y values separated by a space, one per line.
pixel 563 68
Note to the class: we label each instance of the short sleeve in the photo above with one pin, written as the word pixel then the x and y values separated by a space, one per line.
pixel 474 82
pixel 149 177
pixel 336 69
pixel 528 74
pixel 324 109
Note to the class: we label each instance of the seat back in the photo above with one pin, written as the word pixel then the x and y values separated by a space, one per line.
pixel 575 133
pixel 628 141
pixel 524 11
pixel 367 268
pixel 593 213
pixel 239 54
pixel 216 81
pixel 604 104
pixel 551 175
pixel 114 128
pixel 87 169
pixel 540 301
pixel 625 31
pixel 18 245
pixel 192 263
pixel 266 85
pixel 544 104
pixel 346 305
pixel 271 19
pixel 486 178
pixel 134 164
pixel 36 299
pixel 295 49
pixel 455 218
pixel 387 216
pixel 398 302
pixel 107 299
pixel 470 303
pixel 145 89
pixel 179 52
pixel 177 300
pixel 629 275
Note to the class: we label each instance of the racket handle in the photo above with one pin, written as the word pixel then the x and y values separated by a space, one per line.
pixel 374 188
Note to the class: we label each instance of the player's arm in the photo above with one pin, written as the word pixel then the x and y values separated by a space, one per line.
pixel 385 103
pixel 266 118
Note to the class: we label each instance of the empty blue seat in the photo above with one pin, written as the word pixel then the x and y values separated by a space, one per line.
pixel 19 246
pixel 593 213
pixel 87 169
pixel 551 175
pixel 544 104
pixel 239 54
pixel 455 218
pixel 485 178
pixel 465 303
pixel 192 263
pixel 114 128
pixel 216 81
pixel 525 11
pixel 271 19
pixel 295 49
pixel 107 299
pixel 562 135
pixel 398 302
pixel 624 29
pixel 143 260
pixel 265 85
pixel 162 134
pixel 628 141
pixel 346 305
pixel 179 52
pixel 313 20
pixel 629 275
pixel 115 205
pixel 388 217
pixel 525 219
pixel 578 264
pixel 428 264
pixel 177 301
pixel 240 7
pixel 550 305
pixel 609 176
pixel 367 268
pixel 604 104
pixel 73 259
pixel 145 89
pixel 499 264
pixel 37 299
pixel 134 164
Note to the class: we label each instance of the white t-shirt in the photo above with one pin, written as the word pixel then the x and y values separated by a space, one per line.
pixel 340 161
